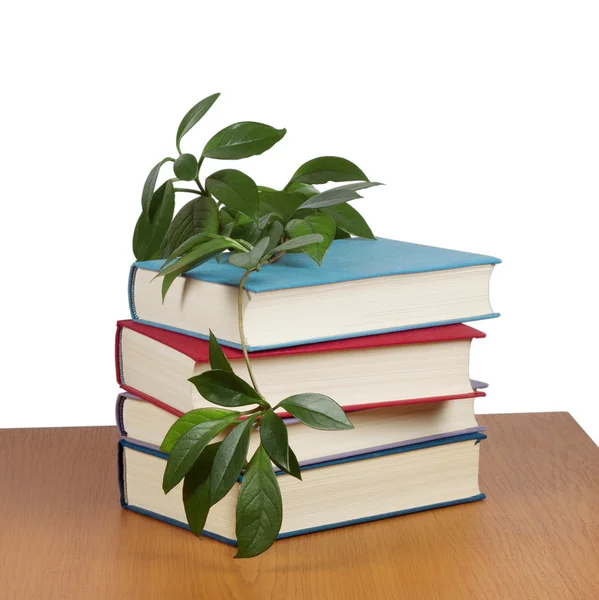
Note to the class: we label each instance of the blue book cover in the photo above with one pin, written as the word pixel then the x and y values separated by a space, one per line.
pixel 346 260
pixel 475 437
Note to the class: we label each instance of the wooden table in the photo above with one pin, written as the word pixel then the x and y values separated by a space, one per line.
pixel 63 534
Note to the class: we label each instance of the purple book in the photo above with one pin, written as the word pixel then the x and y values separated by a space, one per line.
pixel 377 429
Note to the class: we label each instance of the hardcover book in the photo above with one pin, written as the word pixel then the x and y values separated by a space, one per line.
pixel 376 429
pixel 363 287
pixel 373 371
pixel 392 482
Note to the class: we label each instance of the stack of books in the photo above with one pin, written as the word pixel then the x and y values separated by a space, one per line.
pixel 379 328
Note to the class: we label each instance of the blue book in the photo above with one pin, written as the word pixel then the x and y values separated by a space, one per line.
pixel 364 287
pixel 335 493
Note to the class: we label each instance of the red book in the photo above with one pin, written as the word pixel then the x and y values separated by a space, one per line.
pixel 405 367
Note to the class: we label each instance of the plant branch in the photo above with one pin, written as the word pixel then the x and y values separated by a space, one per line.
pixel 274 259
pixel 258 409
pixel 186 190
pixel 197 179
pixel 241 332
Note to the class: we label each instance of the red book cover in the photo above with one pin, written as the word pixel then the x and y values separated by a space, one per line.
pixel 197 350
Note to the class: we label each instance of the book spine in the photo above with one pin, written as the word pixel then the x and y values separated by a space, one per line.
pixel 141 395
pixel 285 415
pixel 121 474
pixel 302 342
pixel 118 357
pixel 349 454
pixel 131 291
pixel 298 532
pixel 120 401
pixel 123 495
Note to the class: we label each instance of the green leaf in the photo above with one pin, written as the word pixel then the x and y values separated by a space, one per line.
pixel 188 245
pixel 167 281
pixel 196 490
pixel 274 438
pixel 190 419
pixel 301 190
pixel 242 140
pixel 274 232
pixel 315 223
pixel 187 450
pixel 337 195
pixel 201 238
pixel 349 220
pixel 328 168
pixel 250 260
pixel 218 360
pixel 341 235
pixel 199 255
pixel 279 202
pixel 259 507
pixel 267 218
pixel 186 167
pixel 149 235
pixel 230 459
pixel 199 215
pixel 235 190
pixel 149 202
pixel 194 115
pixel 299 242
pixel 225 389
pixel 317 411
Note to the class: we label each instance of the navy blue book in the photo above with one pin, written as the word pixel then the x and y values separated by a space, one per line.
pixel 364 287
pixel 335 493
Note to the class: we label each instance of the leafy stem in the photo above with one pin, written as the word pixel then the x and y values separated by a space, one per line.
pixel 241 332
pixel 197 179
pixel 186 190
pixel 208 447
pixel 202 190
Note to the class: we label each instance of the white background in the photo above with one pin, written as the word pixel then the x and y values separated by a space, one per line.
pixel 482 119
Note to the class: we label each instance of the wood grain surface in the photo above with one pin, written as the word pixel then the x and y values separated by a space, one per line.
pixel 63 534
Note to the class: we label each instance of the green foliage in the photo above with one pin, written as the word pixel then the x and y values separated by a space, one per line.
pixel 229 460
pixel 255 226
pixel 317 411
pixel 148 235
pixel 251 259
pixel 274 439
pixel 337 195
pixel 259 507
pixel 328 168
pixel 193 116
pixel 235 190
pixel 300 242
pixel 198 255
pixel 282 203
pixel 196 490
pixel 190 419
pixel 218 360
pixel 349 220
pixel 319 223
pixel 242 140
pixel 225 388
pixel 188 448
pixel 199 215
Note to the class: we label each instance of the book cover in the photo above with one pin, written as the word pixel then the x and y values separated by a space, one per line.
pixel 346 260
pixel 197 349
pixel 122 397
pixel 476 437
